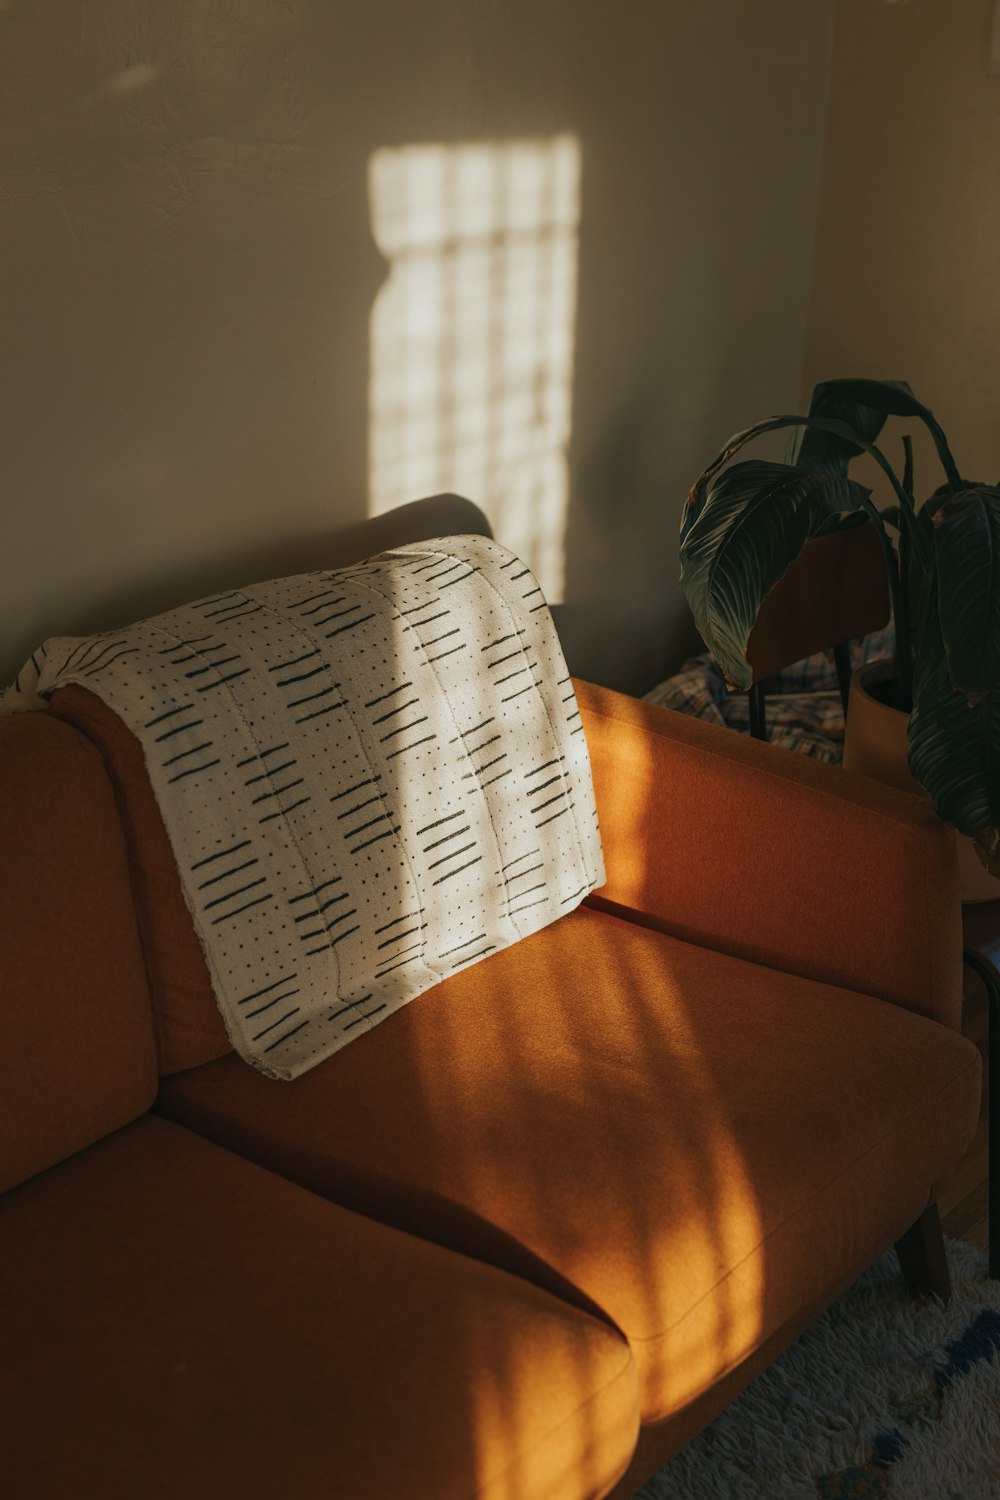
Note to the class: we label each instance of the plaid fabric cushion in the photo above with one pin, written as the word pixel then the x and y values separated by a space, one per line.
pixel 803 701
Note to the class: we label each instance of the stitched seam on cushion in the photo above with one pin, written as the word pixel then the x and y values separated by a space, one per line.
pixel 754 770
pixel 628 1366
pixel 754 1348
pixel 653 1338
pixel 619 912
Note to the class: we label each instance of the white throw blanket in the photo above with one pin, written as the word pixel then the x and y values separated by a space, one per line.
pixel 371 778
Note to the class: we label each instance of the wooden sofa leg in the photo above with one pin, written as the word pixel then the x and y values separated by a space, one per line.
pixel 922 1257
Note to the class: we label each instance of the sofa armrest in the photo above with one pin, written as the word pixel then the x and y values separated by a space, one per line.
pixel 756 851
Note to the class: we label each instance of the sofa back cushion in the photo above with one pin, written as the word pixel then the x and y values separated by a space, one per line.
pixel 77 1055
pixel 187 1022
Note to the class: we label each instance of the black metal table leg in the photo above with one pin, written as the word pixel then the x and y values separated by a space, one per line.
pixel 758 712
pixel 988 975
pixel 842 661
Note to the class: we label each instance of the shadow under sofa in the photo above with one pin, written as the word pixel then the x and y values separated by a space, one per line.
pixel 527 1236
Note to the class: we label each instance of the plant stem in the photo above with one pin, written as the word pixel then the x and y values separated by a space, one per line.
pixel 944 453
pixel 907 528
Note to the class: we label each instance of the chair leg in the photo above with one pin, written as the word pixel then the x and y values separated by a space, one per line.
pixel 922 1257
pixel 842 660
pixel 988 974
pixel 758 712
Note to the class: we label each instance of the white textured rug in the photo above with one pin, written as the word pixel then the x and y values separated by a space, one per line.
pixel 885 1395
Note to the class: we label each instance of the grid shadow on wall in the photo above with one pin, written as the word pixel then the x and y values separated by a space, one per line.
pixel 472 334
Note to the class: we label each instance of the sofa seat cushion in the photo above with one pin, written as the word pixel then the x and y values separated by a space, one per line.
pixel 179 1322
pixel 695 1144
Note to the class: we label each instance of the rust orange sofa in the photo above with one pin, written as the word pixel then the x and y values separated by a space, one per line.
pixel 525 1238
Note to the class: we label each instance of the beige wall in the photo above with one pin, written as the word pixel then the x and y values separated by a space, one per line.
pixel 189 272
pixel 907 272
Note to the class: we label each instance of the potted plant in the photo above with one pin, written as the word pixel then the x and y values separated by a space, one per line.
pixel 745 523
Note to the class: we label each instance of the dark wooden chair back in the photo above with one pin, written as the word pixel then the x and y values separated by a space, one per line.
pixel 836 591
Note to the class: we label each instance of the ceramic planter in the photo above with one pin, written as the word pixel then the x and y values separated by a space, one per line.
pixel 875 745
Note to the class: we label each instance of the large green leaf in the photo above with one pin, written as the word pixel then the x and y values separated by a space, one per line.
pixel 754 523
pixel 955 745
pixel 836 399
pixel 696 495
pixel 967 550
pixel 864 405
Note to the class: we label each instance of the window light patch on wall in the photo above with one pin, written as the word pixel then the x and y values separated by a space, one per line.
pixel 472 334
